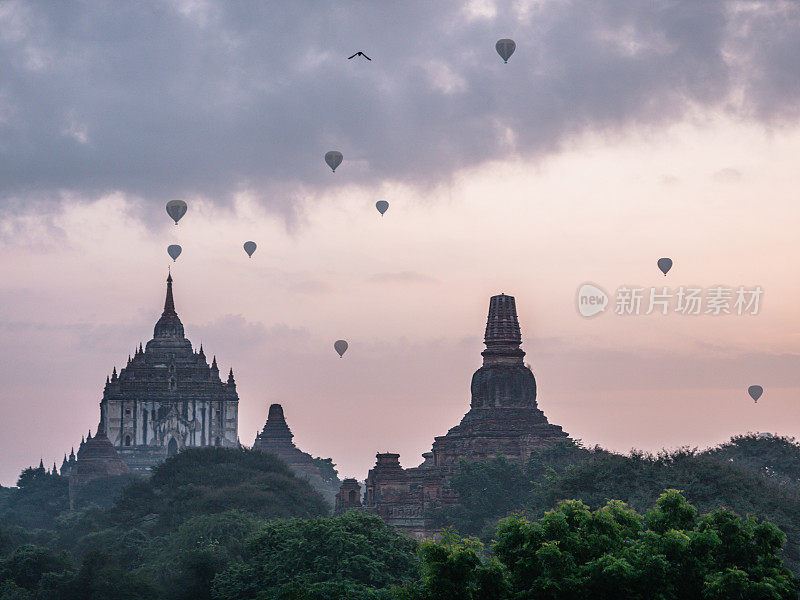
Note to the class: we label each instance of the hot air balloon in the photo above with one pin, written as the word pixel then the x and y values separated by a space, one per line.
pixel 755 392
pixel 665 264
pixel 382 206
pixel 250 247
pixel 334 159
pixel 174 251
pixel 505 48
pixel 340 346
pixel 176 209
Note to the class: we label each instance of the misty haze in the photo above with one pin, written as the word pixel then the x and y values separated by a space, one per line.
pixel 477 299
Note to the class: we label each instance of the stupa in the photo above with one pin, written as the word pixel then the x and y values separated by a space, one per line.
pixel 503 420
pixel 276 438
pixel 96 458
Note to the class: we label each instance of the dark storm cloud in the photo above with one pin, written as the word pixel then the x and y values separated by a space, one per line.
pixel 169 99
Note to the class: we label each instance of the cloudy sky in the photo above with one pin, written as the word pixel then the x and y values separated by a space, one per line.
pixel 619 132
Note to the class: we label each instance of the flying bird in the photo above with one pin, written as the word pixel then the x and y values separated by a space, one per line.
pixel 359 54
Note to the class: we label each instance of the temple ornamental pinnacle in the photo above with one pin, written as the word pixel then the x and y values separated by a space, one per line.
pixel 168 398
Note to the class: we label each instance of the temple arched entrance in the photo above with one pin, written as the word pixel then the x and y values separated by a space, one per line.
pixel 172 447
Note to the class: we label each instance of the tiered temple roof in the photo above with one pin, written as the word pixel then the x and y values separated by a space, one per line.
pixel 168 397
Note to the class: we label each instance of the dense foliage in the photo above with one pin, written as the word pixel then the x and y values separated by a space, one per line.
pixel 354 556
pixel 573 553
pixel 221 524
pixel 668 554
pixel 327 470
pixel 214 480
pixel 162 537
pixel 774 457
pixel 36 501
pixel 748 475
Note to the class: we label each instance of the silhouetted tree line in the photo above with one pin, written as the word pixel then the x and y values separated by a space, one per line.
pixel 748 474
pixel 234 524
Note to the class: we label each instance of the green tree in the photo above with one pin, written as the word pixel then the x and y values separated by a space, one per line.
pixel 102 577
pixel 27 564
pixel 492 489
pixel 37 500
pixel 747 475
pixel 776 457
pixel 327 470
pixel 201 548
pixel 458 569
pixel 354 556
pixel 669 554
pixel 103 491
pixel 205 481
pixel 5 541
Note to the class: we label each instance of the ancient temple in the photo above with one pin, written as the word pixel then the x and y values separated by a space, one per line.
pixel 168 398
pixel 68 464
pixel 96 458
pixel 503 420
pixel 276 438
pixel 348 496
pixel 404 497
